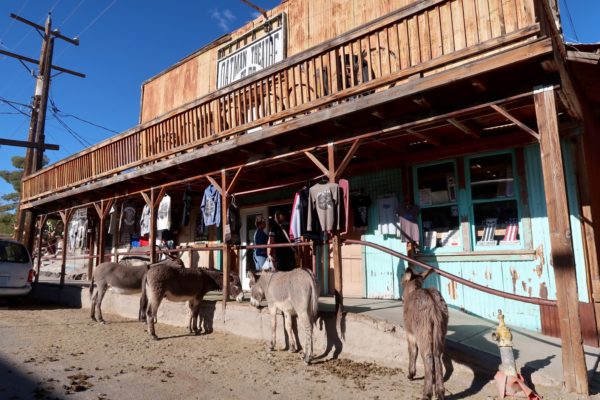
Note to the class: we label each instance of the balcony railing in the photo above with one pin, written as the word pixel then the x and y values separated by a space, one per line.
pixel 425 36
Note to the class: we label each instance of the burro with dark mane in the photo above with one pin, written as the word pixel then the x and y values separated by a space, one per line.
pixel 122 278
pixel 426 324
pixel 183 284
pixel 295 293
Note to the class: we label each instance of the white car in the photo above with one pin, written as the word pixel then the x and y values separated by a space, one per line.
pixel 16 269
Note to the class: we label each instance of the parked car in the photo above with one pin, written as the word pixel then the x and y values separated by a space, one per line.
pixel 16 269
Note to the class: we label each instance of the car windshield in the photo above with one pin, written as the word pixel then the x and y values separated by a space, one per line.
pixel 13 252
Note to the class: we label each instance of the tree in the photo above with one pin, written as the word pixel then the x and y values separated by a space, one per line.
pixel 10 202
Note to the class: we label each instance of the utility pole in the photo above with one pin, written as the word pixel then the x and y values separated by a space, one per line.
pixel 35 155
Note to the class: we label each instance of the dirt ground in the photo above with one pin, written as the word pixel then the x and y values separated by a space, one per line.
pixel 57 353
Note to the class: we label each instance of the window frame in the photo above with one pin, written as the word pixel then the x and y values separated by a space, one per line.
pixel 470 202
pixel 417 201
pixel 466 204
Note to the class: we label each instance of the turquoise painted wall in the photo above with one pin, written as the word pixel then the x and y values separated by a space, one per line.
pixel 382 272
pixel 526 274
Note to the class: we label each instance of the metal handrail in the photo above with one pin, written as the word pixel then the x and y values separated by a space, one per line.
pixel 457 279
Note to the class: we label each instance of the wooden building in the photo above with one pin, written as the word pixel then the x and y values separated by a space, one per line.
pixel 474 113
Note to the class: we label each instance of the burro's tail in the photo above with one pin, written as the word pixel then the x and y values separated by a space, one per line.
pixel 143 300
pixel 91 288
pixel 440 322
pixel 314 299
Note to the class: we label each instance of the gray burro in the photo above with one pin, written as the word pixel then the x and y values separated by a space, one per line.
pixel 294 293
pixel 180 285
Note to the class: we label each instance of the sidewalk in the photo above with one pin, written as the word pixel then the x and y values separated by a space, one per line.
pixel 538 356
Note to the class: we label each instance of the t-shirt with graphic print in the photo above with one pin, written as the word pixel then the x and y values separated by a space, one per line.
pixel 324 207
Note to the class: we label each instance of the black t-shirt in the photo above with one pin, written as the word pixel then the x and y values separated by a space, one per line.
pixel 284 256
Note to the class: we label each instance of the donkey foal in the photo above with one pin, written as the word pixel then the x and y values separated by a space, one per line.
pixel 426 324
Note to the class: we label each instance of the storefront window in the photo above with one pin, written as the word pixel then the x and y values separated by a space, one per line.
pixel 490 202
pixel 437 198
pixel 495 210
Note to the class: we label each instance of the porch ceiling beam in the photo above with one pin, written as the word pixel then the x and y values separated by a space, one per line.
pixel 160 196
pixel 344 164
pixel 234 181
pixel 511 118
pixel 146 199
pixel 317 162
pixel 466 129
pixel 424 137
pixel 214 182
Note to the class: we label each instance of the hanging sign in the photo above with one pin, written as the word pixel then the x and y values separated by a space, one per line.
pixel 253 57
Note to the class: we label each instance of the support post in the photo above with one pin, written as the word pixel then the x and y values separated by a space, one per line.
pixel 103 209
pixel 65 216
pixel 38 262
pixel 574 368
pixel 337 253
pixel 225 253
pixel 152 236
pixel 91 239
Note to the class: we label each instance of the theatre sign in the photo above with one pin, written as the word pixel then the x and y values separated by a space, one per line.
pixel 260 53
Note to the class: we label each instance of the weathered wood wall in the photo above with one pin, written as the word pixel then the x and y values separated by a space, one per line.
pixel 456 25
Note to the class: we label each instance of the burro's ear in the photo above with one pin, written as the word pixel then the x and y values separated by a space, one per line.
pixel 251 277
pixel 425 274
pixel 408 274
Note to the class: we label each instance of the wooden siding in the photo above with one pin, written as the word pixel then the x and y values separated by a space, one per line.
pixel 313 22
pixel 372 58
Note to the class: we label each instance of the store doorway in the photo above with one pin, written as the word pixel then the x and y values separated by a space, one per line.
pixel 247 238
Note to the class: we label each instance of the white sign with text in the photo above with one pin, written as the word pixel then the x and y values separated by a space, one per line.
pixel 251 58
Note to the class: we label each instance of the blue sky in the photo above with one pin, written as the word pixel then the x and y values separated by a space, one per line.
pixel 123 43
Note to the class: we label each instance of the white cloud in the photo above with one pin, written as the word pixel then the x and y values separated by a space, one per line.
pixel 223 18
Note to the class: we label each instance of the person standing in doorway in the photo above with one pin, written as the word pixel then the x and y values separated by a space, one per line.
pixel 283 256
pixel 260 237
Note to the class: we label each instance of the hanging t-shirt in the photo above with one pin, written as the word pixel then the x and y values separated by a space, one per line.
pixel 145 221
pixel 211 206
pixel 324 204
pixel 388 220
pixel 360 211
pixel 113 221
pixel 163 219
pixel 409 223
pixel 187 204
pixel 234 221
pixel 296 219
pixel 127 226
pixel 344 191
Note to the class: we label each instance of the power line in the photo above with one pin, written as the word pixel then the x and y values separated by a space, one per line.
pixel 565 2
pixel 11 105
pixel 62 114
pixel 75 135
pixel 97 18
pixel 70 130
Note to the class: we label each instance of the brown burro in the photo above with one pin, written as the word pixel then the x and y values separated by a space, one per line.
pixel 294 293
pixel 426 325
pixel 122 278
pixel 183 284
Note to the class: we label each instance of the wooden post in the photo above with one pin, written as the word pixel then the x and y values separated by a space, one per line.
pixel 65 216
pixel 225 253
pixel 38 262
pixel 574 368
pixel 337 252
pixel 152 236
pixel 91 239
pixel 103 209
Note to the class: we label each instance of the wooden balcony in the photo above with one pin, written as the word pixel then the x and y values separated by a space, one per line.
pixel 421 40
